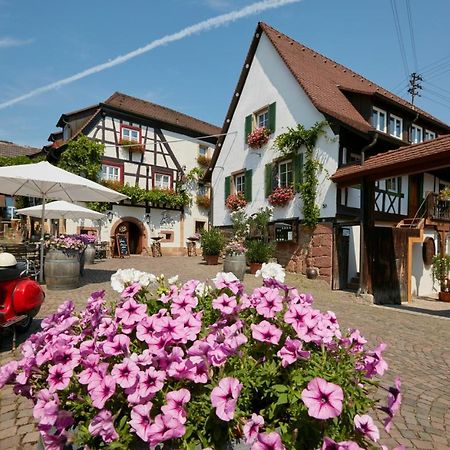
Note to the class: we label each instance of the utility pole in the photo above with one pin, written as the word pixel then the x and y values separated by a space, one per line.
pixel 415 86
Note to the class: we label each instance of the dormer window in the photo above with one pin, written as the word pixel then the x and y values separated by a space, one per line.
pixel 395 126
pixel 429 135
pixel 132 134
pixel 379 119
pixel 416 134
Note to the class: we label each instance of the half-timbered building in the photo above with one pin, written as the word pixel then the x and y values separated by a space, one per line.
pixel 151 147
pixel 284 83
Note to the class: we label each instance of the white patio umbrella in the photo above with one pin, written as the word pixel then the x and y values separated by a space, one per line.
pixel 61 210
pixel 43 180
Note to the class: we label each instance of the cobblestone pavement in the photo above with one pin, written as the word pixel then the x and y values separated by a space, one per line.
pixel 418 350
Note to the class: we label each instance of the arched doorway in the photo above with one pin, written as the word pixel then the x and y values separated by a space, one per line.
pixel 134 230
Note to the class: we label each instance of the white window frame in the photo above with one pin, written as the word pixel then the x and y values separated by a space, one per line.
pixel 164 182
pixel 291 171
pixel 262 118
pixel 379 112
pixel 111 173
pixel 239 183
pixel 130 137
pixel 414 130
pixel 429 135
pixel 396 119
pixel 391 184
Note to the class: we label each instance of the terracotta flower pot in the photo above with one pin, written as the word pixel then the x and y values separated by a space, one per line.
pixel 444 296
pixel 212 260
pixel 254 267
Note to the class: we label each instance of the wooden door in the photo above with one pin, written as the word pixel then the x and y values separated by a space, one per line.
pixel 341 252
pixel 415 195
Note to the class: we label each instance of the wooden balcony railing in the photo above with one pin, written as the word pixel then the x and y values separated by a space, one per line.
pixel 437 209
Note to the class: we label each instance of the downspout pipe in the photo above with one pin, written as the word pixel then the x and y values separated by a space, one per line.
pixel 363 212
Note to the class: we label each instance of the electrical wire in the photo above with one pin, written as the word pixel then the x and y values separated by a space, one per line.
pixel 411 33
pixel 400 37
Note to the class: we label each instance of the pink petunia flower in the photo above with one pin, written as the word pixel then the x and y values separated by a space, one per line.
pixel 268 301
pixel 225 304
pixel 224 397
pixel 119 345
pixel 266 332
pixel 141 421
pixel 102 391
pixel 131 291
pixel 365 425
pixel 150 382
pixel 292 351
pixel 59 377
pixel 329 444
pixel 394 402
pixel 8 372
pixel 227 280
pixel 125 373
pixel 164 428
pixel 103 425
pixel 268 441
pixel 251 428
pixel 323 399
pixel 130 313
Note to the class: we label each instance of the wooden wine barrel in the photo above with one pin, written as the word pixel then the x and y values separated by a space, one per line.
pixel 235 264
pixel 62 269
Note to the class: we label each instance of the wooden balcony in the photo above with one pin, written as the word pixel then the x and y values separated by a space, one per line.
pixel 437 210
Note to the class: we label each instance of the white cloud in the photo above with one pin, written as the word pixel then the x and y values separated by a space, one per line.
pixel 204 25
pixel 7 42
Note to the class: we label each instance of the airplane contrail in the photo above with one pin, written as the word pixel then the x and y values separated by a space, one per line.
pixel 204 25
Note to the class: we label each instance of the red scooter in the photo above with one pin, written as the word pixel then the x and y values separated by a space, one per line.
pixel 20 296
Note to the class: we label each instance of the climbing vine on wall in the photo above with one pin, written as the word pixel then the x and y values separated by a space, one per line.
pixel 288 145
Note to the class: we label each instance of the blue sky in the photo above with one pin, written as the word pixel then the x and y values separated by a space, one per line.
pixel 43 42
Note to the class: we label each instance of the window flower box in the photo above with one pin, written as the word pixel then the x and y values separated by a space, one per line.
pixel 203 201
pixel 203 160
pixel 133 146
pixel 281 196
pixel 258 137
pixel 236 201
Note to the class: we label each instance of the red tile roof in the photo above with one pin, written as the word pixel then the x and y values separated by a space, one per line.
pixel 9 149
pixel 160 113
pixel 415 158
pixel 325 81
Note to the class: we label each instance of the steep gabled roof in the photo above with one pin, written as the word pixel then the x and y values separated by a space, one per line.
pixel 414 158
pixel 326 83
pixel 9 149
pixel 160 113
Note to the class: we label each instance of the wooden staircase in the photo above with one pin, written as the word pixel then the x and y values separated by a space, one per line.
pixel 412 223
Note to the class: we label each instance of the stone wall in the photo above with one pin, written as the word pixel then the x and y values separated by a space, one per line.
pixel 315 250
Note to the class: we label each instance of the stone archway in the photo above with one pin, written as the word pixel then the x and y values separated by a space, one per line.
pixel 135 231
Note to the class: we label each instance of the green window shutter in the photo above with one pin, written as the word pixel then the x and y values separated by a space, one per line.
pixel 272 117
pixel 268 187
pixel 248 185
pixel 248 126
pixel 227 187
pixel 298 171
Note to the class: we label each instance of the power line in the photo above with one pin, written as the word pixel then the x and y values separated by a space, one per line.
pixel 445 105
pixel 411 33
pixel 398 31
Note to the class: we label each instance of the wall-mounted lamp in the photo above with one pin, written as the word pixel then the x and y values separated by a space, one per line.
pixel 110 216
pixel 147 218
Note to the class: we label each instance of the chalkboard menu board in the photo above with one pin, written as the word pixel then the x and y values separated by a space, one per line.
pixel 122 245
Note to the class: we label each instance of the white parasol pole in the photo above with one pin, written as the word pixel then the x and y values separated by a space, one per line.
pixel 41 272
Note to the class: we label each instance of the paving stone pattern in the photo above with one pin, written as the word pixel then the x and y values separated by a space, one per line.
pixel 418 350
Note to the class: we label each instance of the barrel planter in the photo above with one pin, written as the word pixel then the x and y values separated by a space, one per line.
pixel 62 269
pixel 235 264
pixel 89 254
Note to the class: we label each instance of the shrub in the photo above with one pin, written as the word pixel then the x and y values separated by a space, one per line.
pixel 259 251
pixel 212 242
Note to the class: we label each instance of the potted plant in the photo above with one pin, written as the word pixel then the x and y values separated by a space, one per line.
pixel 258 252
pixel 236 201
pixel 199 365
pixel 212 244
pixel 281 196
pixel 203 160
pixel 203 201
pixel 440 270
pixel 234 260
pixel 258 137
pixel 62 267
pixel 133 146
